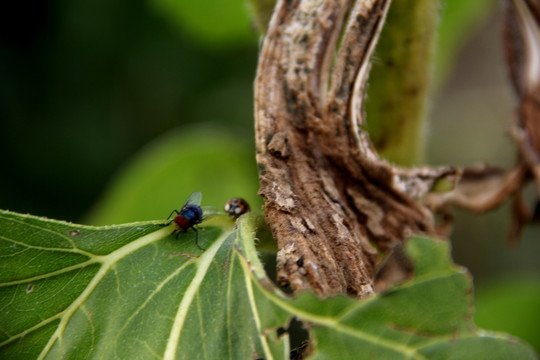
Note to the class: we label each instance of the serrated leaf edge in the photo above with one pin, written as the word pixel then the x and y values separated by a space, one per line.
pixel 253 270
pixel 81 226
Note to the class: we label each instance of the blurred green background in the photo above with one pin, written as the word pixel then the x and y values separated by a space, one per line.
pixel 86 85
pixel 115 111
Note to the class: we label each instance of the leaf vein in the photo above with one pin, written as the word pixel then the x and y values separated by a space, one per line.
pixel 203 264
pixel 108 261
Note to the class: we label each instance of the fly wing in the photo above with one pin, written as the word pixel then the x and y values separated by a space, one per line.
pixel 208 212
pixel 194 199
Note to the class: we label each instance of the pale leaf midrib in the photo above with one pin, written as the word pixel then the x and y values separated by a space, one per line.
pixel 107 262
pixel 150 297
pixel 331 322
pixel 229 309
pixel 84 264
pixel 41 228
pixel 203 264
pixel 73 249
pixel 256 317
pixel 249 247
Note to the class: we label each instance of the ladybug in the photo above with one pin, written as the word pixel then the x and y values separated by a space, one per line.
pixel 190 215
pixel 236 207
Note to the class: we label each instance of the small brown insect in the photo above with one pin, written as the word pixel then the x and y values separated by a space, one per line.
pixel 236 207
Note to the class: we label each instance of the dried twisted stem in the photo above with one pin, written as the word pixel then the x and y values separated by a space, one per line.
pixel 331 202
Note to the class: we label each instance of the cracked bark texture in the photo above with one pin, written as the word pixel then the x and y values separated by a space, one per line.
pixel 332 204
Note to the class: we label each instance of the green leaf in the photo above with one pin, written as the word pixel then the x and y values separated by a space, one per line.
pixel 511 305
pixel 134 291
pixel 430 317
pixel 261 12
pixel 216 161
pixel 212 22
pixel 129 291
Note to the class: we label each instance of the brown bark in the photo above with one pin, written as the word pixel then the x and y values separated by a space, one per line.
pixel 332 204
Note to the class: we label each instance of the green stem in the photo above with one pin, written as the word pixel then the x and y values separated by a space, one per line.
pixel 396 104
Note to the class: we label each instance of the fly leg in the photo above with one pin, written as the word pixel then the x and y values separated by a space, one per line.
pixel 168 217
pixel 197 237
